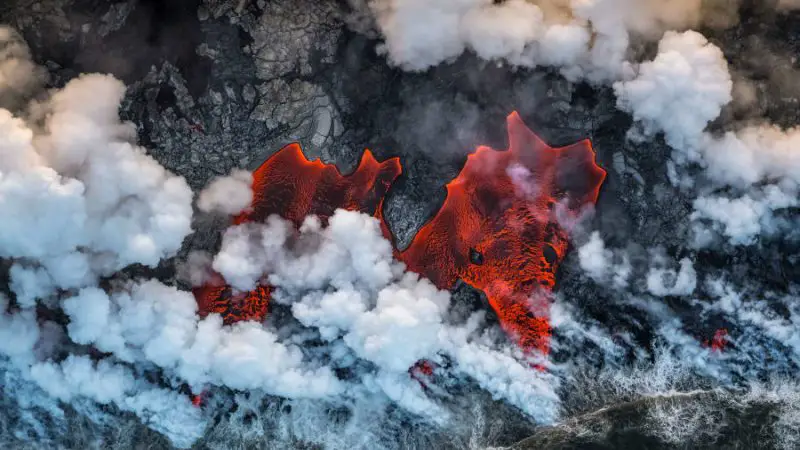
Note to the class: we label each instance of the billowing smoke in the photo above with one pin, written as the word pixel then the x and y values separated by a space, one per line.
pixel 19 76
pixel 678 93
pixel 663 282
pixel 68 160
pixel 602 265
pixel 420 35
pixel 80 202
pixel 583 38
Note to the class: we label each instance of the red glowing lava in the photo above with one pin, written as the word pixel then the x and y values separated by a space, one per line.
pixel 719 341
pixel 197 399
pixel 233 307
pixel 422 373
pixel 293 187
pixel 501 228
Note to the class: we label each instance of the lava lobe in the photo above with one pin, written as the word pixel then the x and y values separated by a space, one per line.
pixel 293 187
pixel 502 228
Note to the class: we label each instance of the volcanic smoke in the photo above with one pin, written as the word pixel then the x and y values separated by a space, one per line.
pixel 501 227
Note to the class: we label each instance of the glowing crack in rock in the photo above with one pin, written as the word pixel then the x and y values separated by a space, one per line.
pixel 501 228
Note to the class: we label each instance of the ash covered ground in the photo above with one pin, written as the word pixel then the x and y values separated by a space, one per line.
pixel 674 314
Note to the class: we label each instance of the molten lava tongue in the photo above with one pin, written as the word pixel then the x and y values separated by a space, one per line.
pixel 497 229
pixel 291 186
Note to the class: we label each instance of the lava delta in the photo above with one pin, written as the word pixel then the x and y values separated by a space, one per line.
pixel 503 227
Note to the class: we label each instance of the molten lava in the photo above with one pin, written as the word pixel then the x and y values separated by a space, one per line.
pixel 501 228
pixel 719 341
pixel 197 399
pixel 233 307
pixel 293 187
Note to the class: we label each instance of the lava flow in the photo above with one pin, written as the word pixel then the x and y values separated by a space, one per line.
pixel 293 187
pixel 501 228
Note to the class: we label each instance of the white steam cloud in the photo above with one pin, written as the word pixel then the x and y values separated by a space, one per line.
pixel 227 195
pixel 663 281
pixel 585 38
pixel 26 349
pixel 678 93
pixel 19 76
pixel 159 324
pixel 602 265
pixel 81 201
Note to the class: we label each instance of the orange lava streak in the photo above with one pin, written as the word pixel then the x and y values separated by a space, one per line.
pixel 498 228
pixel 293 187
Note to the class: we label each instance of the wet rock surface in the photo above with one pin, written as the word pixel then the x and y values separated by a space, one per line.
pixel 635 424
